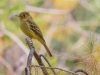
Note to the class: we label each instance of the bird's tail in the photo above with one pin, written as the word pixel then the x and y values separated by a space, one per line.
pixel 42 41
pixel 46 47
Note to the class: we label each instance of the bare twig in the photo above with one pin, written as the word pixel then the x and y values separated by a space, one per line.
pixel 48 63
pixel 49 11
pixel 30 44
pixel 88 23
pixel 1 30
pixel 14 37
pixel 7 65
pixel 32 49
pixel 87 6
pixel 80 70
pixel 55 69
pixel 76 27
pixel 27 71
pixel 20 64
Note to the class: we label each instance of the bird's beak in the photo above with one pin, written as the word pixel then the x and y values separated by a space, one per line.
pixel 17 15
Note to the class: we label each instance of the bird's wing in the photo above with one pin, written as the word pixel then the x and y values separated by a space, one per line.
pixel 35 28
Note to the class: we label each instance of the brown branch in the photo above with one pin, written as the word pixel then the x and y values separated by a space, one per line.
pixel 48 63
pixel 30 44
pixel 55 68
pixel 27 71
pixel 37 57
pixel 80 70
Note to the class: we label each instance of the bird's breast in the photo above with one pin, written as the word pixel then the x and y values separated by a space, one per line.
pixel 27 31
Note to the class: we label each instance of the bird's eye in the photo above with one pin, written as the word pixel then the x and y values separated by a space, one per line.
pixel 24 15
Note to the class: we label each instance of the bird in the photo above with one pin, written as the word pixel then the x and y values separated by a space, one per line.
pixel 30 29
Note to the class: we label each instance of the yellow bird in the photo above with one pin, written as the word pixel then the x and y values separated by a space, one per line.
pixel 29 27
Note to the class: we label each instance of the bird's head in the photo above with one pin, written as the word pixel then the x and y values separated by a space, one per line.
pixel 24 15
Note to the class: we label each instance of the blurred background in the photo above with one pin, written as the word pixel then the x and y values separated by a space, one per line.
pixel 70 27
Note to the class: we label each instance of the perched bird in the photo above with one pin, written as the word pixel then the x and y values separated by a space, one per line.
pixel 29 27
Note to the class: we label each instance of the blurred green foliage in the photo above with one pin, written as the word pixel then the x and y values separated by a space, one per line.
pixel 69 37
